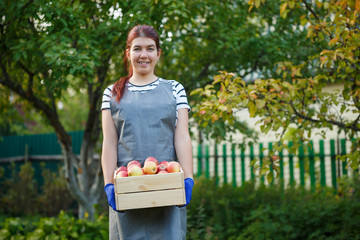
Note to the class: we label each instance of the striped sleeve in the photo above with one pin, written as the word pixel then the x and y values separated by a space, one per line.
pixel 180 96
pixel 105 105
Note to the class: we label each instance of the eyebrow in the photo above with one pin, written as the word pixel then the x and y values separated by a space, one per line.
pixel 152 45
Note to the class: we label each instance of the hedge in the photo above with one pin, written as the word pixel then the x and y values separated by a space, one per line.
pixel 249 212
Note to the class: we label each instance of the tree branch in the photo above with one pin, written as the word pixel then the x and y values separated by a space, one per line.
pixel 311 10
pixel 336 123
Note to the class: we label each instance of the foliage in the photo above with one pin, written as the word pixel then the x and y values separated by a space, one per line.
pixel 296 97
pixel 269 212
pixel 64 226
pixel 20 191
pixel 224 35
pixel 22 196
pixel 51 48
pixel 11 122
pixel 198 38
pixel 225 212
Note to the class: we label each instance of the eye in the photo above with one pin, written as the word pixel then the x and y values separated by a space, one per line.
pixel 151 49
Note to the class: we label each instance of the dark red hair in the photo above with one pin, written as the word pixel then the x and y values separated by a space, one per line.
pixel 135 32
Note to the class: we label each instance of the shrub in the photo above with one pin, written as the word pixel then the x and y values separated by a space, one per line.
pixel 64 226
pixel 21 195
pixel 55 195
pixel 269 212
pixel 20 192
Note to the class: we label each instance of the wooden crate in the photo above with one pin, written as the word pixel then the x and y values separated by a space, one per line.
pixel 150 191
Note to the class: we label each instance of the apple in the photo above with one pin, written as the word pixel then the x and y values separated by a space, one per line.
pixel 133 162
pixel 161 167
pixel 162 172
pixel 135 171
pixel 122 168
pixel 151 159
pixel 164 162
pixel 150 167
pixel 173 167
pixel 122 174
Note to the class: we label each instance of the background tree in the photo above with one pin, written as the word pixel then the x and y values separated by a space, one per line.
pixel 225 35
pixel 49 47
pixel 51 50
pixel 296 96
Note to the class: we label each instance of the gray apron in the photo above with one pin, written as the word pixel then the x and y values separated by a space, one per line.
pixel 145 123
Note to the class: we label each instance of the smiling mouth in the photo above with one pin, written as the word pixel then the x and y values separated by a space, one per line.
pixel 143 63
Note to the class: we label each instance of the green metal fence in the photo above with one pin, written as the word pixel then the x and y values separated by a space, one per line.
pixel 14 148
pixel 314 165
pixel 43 150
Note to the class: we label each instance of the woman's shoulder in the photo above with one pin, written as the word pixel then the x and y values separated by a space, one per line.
pixel 175 84
pixel 109 89
pixel 107 95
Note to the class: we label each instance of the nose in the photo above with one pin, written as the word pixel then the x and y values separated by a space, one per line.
pixel 143 54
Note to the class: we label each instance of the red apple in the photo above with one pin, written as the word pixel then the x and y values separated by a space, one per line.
pixel 122 168
pixel 135 171
pixel 133 162
pixel 150 167
pixel 122 174
pixel 162 172
pixel 165 163
pixel 173 167
pixel 161 167
pixel 151 159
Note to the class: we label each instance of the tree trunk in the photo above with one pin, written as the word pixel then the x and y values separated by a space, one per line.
pixel 86 183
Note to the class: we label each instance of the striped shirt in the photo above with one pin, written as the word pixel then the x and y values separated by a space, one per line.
pixel 178 93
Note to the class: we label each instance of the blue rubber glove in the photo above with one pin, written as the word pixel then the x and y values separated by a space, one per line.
pixel 110 194
pixel 189 184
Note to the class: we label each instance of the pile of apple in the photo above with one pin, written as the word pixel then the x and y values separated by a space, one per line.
pixel 151 166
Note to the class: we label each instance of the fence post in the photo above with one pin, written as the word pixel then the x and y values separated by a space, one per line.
pixel 271 168
pixel 216 166
pixel 333 163
pixel 343 152
pixel 252 156
pixel 199 160
pixel 311 165
pixel 233 165
pixel 291 165
pixel 322 164
pixel 224 164
pixel 242 156
pixel 207 162
pixel 261 156
pixel 281 161
pixel 301 163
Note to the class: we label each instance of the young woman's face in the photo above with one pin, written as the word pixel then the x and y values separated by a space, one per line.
pixel 143 55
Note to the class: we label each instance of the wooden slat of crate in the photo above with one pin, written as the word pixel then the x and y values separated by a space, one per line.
pixel 169 197
pixel 149 182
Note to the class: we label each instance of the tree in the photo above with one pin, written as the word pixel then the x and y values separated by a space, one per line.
pixel 296 96
pixel 48 47
pixel 224 35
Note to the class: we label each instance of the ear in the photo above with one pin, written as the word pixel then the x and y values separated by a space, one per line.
pixel 159 53
pixel 127 52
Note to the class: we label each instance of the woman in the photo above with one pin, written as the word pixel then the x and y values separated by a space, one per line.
pixel 144 115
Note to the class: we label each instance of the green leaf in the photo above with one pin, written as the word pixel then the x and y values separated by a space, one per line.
pixel 260 104
pixel 252 109
pixel 263 170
